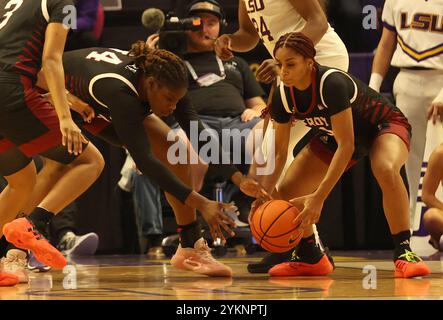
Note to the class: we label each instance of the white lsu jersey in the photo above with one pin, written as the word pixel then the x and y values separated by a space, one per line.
pixel 419 28
pixel 274 18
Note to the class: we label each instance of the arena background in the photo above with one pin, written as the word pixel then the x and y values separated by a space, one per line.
pixel 354 207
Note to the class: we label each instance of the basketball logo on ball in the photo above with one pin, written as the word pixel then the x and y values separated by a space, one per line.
pixel 272 227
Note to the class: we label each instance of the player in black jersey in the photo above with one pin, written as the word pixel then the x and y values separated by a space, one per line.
pixel 32 36
pixel 128 94
pixel 352 121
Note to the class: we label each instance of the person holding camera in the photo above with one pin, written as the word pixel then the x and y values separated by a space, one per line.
pixel 225 94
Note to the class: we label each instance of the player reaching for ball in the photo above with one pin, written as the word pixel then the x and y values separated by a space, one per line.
pixel 267 20
pixel 129 92
pixel 352 121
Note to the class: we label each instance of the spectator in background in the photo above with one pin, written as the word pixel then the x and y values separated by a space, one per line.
pixel 239 105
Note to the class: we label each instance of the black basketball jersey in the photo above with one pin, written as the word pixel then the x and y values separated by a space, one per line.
pixel 335 91
pixel 22 32
pixel 107 80
pixel 93 74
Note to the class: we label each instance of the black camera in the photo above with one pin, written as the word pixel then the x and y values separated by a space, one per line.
pixel 172 35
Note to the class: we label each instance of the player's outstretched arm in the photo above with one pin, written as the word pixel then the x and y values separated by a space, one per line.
pixel 282 134
pixel 213 213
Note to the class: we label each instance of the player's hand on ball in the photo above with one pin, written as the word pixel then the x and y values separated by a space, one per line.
pixel 254 206
pixel 268 71
pixel 310 207
pixel 213 213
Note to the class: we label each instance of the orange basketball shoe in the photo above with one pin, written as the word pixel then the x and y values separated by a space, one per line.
pixel 23 234
pixel 8 279
pixel 299 268
pixel 409 265
pixel 199 260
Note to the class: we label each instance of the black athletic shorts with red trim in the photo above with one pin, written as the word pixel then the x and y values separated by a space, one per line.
pixel 325 151
pixel 28 126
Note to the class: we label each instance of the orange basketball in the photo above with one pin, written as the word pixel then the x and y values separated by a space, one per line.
pixel 272 227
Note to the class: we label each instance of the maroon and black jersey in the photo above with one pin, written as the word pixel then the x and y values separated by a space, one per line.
pixel 22 32
pixel 97 74
pixel 332 92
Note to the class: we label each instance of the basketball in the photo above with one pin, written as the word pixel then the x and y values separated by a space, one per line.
pixel 272 227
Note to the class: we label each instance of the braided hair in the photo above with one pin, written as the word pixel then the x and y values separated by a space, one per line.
pixel 304 46
pixel 298 42
pixel 164 66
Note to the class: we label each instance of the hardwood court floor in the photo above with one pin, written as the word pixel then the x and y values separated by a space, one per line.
pixel 137 277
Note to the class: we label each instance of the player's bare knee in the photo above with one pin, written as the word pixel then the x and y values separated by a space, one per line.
pixel 385 173
pixel 93 158
pixel 98 162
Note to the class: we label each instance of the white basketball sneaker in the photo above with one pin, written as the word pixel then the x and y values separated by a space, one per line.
pixel 15 263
